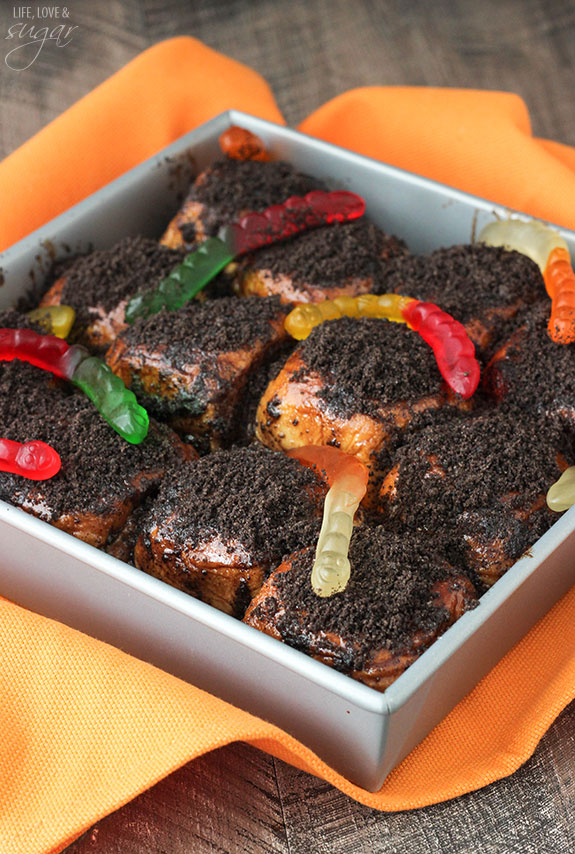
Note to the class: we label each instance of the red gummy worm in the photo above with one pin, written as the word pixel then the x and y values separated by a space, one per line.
pixel 453 349
pixel 33 460
pixel 298 213
pixel 45 351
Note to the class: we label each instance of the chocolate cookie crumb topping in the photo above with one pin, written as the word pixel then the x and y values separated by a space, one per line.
pixel 105 277
pixel 387 600
pixel 232 187
pixel 220 325
pixel 466 281
pixel 331 255
pixel 367 362
pixel 261 499
pixel 489 461
pixel 536 375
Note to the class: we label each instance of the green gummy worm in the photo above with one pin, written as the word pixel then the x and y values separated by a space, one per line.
pixel 184 282
pixel 115 403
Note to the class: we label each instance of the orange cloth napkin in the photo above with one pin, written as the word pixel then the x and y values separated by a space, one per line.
pixel 73 711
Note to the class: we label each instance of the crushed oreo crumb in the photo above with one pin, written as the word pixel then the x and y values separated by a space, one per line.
pixel 231 187
pixel 467 280
pixel 12 319
pixel 331 255
pixel 267 502
pixel 537 375
pixel 214 326
pixel 104 278
pixel 472 282
pixel 366 363
pixel 387 600
pixel 492 460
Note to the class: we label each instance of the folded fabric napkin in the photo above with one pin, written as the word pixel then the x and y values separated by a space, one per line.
pixel 74 710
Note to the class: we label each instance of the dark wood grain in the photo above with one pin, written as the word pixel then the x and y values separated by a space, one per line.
pixel 226 801
pixel 238 799
pixel 311 50
pixel 528 813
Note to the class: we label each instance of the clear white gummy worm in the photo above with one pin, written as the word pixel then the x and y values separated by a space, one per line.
pixel 562 494
pixel 533 239
pixel 331 568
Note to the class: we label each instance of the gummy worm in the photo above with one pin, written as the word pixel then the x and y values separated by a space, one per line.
pixel 55 319
pixel 117 404
pixel 562 494
pixel 251 232
pixel 347 479
pixel 550 252
pixel 453 349
pixel 33 460
pixel 240 144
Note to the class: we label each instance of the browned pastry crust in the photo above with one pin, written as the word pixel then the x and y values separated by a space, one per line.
pixel 262 282
pixel 190 215
pixel 191 367
pixel 325 263
pixel 307 405
pixel 292 414
pixel 367 644
pixel 220 525
pixel 219 573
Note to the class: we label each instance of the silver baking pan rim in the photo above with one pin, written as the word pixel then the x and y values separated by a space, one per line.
pixel 33 254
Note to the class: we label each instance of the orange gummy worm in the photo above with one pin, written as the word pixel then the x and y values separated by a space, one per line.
pixel 560 284
pixel 240 144
pixel 332 462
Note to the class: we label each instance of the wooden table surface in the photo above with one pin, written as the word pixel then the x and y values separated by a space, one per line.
pixel 238 799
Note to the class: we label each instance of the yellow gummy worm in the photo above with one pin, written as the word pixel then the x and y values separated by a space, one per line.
pixel 55 319
pixel 300 322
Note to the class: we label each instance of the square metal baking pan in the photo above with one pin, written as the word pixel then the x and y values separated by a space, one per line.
pixel 361 733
